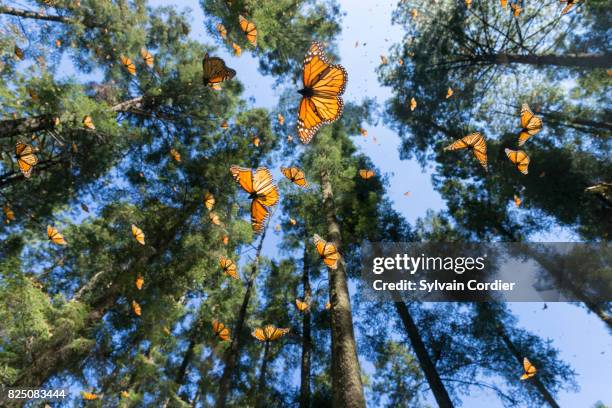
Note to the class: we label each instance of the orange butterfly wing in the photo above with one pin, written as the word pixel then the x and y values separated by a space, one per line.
pixel 520 158
pixel 530 124
pixel 249 29
pixel 321 104
pixel 295 175
pixel 327 251
pixel 529 368
pixel 474 141
pixel 26 159
pixel 55 236
pixel 138 234
pixel 128 64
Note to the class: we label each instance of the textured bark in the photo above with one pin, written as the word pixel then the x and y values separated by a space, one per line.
pixel 347 388
pixel 35 15
pixel 262 376
pixel 429 368
pixel 574 61
pixel 306 335
pixel 231 356
pixel 536 382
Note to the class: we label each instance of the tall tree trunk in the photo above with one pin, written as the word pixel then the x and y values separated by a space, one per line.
pixel 306 335
pixel 187 357
pixel 574 61
pixel 346 375
pixel 231 356
pixel 429 368
pixel 262 376
pixel 536 382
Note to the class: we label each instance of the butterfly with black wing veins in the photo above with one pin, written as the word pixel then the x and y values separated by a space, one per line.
pixel 215 70
pixel 262 191
pixel 323 83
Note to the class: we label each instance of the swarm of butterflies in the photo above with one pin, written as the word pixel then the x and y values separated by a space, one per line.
pixel 321 104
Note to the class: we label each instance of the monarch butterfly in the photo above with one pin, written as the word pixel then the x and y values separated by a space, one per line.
pixel 530 124
pixel 18 53
pixel 400 61
pixel 136 308
pixel 249 29
pixel 328 305
pixel 281 119
pixel 215 71
pixel 125 394
pixel 88 122
pixel 323 84
pixel 222 30
pixel 260 186
pixel 449 92
pixel 407 193
pixel 415 13
pixel 529 368
pixel 89 396
pixel 292 221
pixel 568 7
pixel 256 141
pixel 516 9
pixel 221 330
pixel 520 158
pixel 26 159
pixel 269 333
pixel 517 200
pixel 147 57
pixel 139 281
pixel 295 175
pixel 504 3
pixel 175 155
pixel 54 236
pixel 237 49
pixel 224 124
pixel 8 213
pixel 413 104
pixel 366 174
pixel 128 64
pixel 225 240
pixel 33 94
pixel 214 218
pixel 476 143
pixel 58 43
pixel 301 306
pixel 363 132
pixel 327 251
pixel 167 330
pixel 228 266
pixel 138 234
pixel 468 3
pixel 209 200
pixel 383 60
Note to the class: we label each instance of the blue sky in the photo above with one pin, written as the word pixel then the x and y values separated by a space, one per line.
pixel 582 339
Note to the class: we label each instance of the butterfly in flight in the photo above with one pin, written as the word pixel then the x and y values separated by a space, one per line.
pixel 301 305
pixel 281 119
pixel 504 3
pixel 8 213
pixel 269 333
pixel 327 251
pixel 214 218
pixel 89 396
pixel 517 201
pixel 26 159
pixel 222 30
pixel 474 142
pixel 449 92
pixel 237 49
pixel 569 5
pixel 136 308
pixel 249 29
pixel 366 174
pixel 128 64
pixel 139 281
pixel 215 71
pixel 262 191
pixel 529 369
pixel 175 155
pixel 147 57
pixel 138 234
pixel 221 330
pixel 54 236
pixel 323 83
pixel 209 200
pixel 228 266
pixel 413 104
pixel 295 175
pixel 530 124
pixel 520 158
pixel 18 53
pixel 516 9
